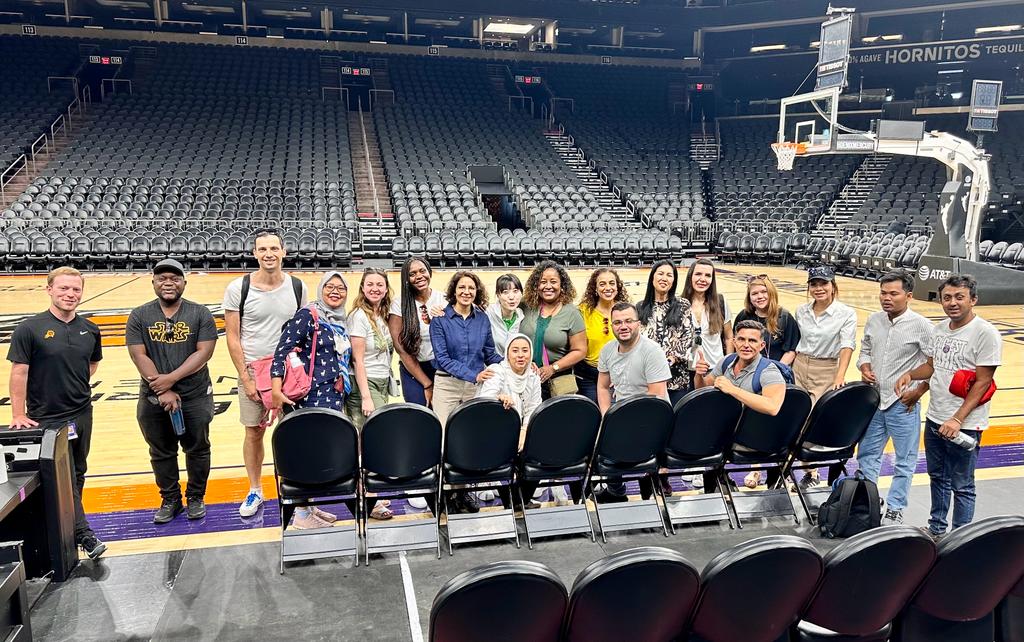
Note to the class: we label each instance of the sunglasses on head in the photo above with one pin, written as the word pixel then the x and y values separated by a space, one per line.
pixel 606 329
pixel 424 315
pixel 760 277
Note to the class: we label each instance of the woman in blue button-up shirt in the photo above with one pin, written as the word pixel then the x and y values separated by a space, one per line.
pixel 463 345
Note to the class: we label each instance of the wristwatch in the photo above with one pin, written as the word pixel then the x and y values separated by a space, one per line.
pixel 555 367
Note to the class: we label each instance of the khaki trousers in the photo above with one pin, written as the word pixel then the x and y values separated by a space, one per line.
pixel 449 392
pixel 814 375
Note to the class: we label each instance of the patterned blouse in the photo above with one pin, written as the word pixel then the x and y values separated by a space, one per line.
pixel 676 341
pixel 331 364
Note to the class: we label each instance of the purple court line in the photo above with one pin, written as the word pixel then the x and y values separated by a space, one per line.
pixel 138 524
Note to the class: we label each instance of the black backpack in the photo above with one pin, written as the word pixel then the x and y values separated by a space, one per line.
pixel 852 508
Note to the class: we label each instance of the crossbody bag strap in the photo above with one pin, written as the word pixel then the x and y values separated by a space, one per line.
pixel 316 332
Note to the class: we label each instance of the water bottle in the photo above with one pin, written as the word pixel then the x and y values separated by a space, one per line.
pixel 965 441
pixel 177 421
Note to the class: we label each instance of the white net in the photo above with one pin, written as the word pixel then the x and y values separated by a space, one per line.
pixel 785 153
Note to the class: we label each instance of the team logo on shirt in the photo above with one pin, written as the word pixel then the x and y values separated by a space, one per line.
pixel 950 355
pixel 49 334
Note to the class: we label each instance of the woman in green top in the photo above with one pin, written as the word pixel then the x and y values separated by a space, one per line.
pixel 556 327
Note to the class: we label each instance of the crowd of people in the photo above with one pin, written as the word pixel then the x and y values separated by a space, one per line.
pixel 534 342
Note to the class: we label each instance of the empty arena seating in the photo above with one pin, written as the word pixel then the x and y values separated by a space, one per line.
pixel 29 107
pixel 852 594
pixel 626 126
pixel 214 137
pixel 747 187
pixel 907 191
pixel 591 246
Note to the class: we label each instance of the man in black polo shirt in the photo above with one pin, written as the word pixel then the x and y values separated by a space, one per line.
pixel 53 354
pixel 170 340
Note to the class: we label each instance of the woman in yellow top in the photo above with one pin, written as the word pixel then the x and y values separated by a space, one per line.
pixel 604 289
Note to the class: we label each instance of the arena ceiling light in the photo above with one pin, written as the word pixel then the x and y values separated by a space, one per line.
pixel 519 29
pixel 760 48
pixel 999 29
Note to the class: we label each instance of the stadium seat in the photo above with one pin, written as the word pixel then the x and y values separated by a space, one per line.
pixel 1010 615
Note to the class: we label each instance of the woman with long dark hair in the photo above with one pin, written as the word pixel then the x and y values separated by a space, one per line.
pixel 711 316
pixel 666 320
pixel 604 290
pixel 556 327
pixel 409 323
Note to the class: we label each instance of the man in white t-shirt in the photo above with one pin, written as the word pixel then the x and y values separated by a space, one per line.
pixel 256 307
pixel 964 342
pixel 631 365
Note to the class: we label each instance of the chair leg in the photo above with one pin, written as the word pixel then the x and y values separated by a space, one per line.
pixel 800 494
pixel 512 507
pixel 526 524
pixel 658 493
pixel 723 487
pixel 597 510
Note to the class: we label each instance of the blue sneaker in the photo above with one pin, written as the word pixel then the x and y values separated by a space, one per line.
pixel 252 503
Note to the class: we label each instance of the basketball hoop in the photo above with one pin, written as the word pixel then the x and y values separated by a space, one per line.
pixel 785 153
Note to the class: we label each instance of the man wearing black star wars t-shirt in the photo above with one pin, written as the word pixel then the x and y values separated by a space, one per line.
pixel 53 354
pixel 170 340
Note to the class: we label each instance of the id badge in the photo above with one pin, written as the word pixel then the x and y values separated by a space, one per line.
pixel 72 430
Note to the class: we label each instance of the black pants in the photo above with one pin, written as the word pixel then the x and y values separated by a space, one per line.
pixel 163 445
pixel 79 455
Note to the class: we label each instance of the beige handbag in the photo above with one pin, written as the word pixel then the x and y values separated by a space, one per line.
pixel 563 385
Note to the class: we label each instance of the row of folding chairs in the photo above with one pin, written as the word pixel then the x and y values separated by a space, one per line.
pixel 320 458
pixel 889 583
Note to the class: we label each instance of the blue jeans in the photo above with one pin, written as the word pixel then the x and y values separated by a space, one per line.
pixel 904 428
pixel 951 471
pixel 412 391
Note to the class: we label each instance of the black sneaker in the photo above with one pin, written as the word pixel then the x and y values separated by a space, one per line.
pixel 169 509
pixel 607 497
pixel 469 502
pixel 92 546
pixel 196 508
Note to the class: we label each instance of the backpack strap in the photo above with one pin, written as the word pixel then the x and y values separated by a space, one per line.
pixel 730 361
pixel 241 301
pixel 297 288
pixel 848 490
pixel 873 500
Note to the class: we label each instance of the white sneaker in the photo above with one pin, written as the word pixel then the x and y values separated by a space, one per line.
pixel 485 495
pixel 418 502
pixel 697 481
pixel 253 502
pixel 561 497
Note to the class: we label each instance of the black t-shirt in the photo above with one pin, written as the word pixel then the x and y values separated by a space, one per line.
pixel 780 343
pixel 169 341
pixel 58 355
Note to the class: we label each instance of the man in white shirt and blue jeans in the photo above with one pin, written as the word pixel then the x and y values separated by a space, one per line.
pixel 896 340
pixel 964 342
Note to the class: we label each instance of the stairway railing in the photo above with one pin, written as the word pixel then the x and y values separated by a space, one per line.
pixel 369 166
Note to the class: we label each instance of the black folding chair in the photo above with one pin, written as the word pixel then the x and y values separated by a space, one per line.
pixel 481 440
pixel 402 458
pixel 762 440
pixel 633 434
pixel 976 568
pixel 463 610
pixel 1010 615
pixel 316 461
pixel 704 424
pixel 645 593
pixel 788 565
pixel 559 443
pixel 868 580
pixel 835 427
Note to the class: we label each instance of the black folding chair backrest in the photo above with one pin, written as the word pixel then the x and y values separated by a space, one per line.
pixel 869 578
pixel 770 437
pixel 315 447
pixel 645 593
pixel 634 431
pixel 561 432
pixel 704 424
pixel 789 565
pixel 840 418
pixel 401 441
pixel 463 609
pixel 481 435
pixel 977 565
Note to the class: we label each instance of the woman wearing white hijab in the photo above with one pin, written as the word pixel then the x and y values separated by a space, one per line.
pixel 514 384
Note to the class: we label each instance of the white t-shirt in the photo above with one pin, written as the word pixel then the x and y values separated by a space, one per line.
pixel 378 357
pixel 711 344
pixel 265 314
pixel 975 344
pixel 435 300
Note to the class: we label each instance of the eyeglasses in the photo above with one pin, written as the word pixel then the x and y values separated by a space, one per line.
pixel 606 329
pixel 618 323
pixel 328 289
pixel 424 315
pixel 760 277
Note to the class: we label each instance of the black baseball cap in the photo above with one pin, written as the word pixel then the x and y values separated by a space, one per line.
pixel 169 265
pixel 820 272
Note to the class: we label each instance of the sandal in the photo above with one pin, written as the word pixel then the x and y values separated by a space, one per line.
pixel 753 479
pixel 381 512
